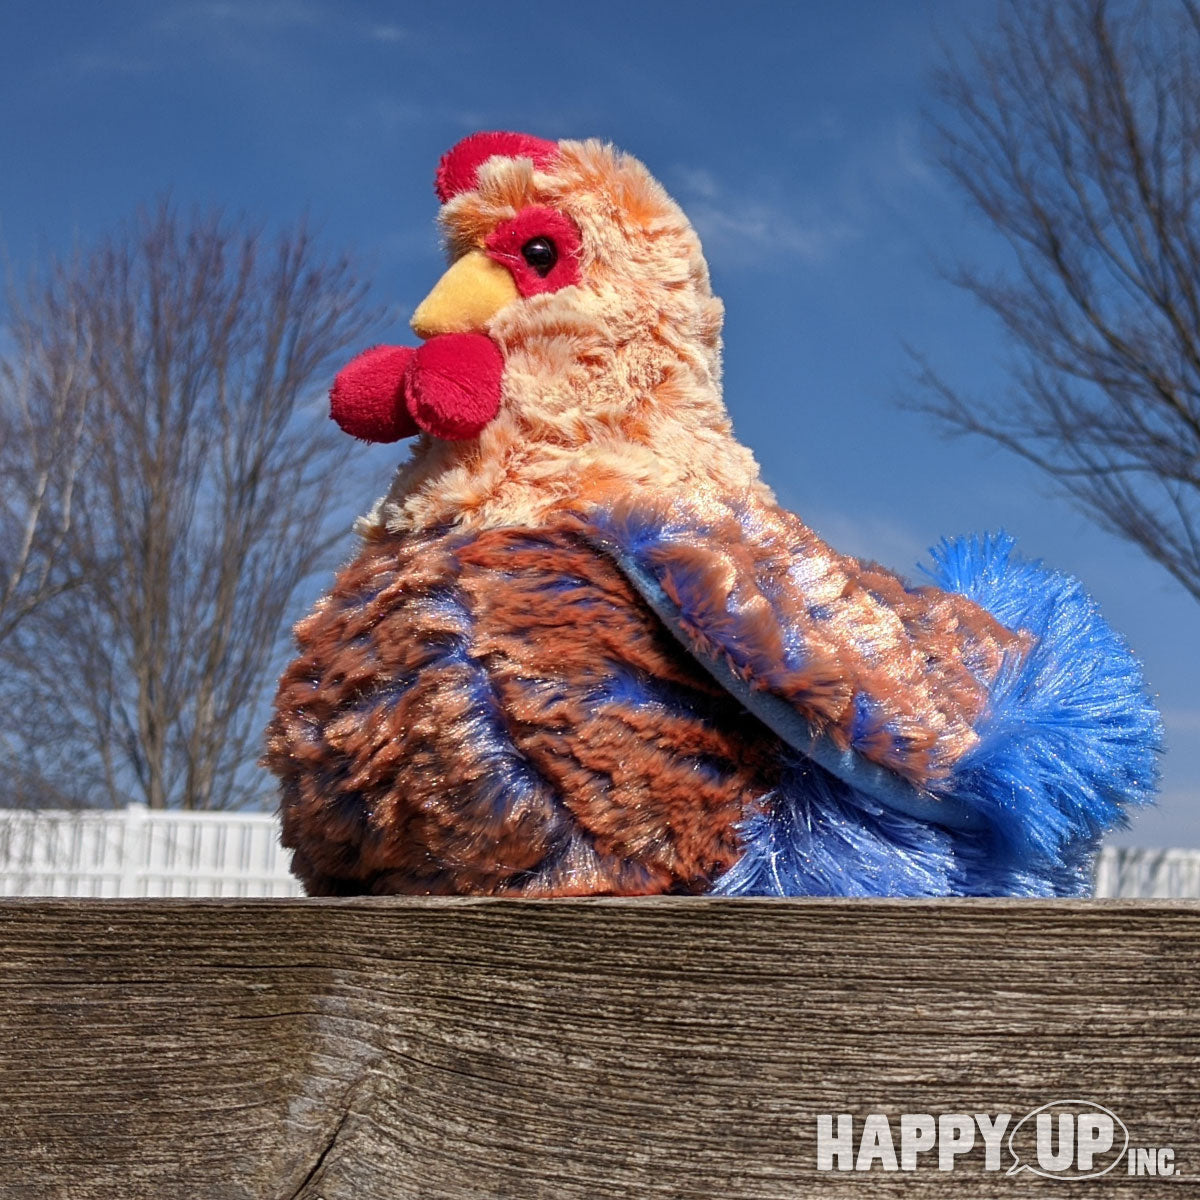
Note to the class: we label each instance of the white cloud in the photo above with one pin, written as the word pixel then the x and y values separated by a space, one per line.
pixel 906 158
pixel 263 14
pixel 758 220
pixel 387 33
pixel 875 538
pixel 698 182
pixel 230 24
pixel 109 62
pixel 738 229
pixel 764 230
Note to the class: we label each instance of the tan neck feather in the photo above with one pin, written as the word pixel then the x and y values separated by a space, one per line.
pixel 581 420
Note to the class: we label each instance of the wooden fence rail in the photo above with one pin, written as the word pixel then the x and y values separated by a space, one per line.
pixel 578 1049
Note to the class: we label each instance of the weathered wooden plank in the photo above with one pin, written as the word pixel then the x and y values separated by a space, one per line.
pixel 493 1049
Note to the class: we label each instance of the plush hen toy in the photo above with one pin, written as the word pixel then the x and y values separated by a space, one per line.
pixel 582 650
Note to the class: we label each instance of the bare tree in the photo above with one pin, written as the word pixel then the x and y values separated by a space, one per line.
pixel 43 408
pixel 1074 129
pixel 190 360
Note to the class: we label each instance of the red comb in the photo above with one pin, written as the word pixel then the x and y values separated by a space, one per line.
pixel 456 171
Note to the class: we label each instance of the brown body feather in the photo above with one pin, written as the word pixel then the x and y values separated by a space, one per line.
pixel 433 653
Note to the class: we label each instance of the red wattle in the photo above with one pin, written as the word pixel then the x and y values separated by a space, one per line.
pixel 367 400
pixel 452 384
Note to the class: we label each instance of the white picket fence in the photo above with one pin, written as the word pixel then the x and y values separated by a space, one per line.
pixel 1159 874
pixel 139 852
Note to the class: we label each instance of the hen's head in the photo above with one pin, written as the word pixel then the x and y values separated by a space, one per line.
pixel 572 348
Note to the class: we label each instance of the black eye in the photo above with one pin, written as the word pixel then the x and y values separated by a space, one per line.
pixel 540 254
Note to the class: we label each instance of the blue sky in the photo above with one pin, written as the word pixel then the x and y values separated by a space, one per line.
pixel 793 135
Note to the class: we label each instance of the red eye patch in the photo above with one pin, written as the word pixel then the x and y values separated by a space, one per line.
pixel 505 243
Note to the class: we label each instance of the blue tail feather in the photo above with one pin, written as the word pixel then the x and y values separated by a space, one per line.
pixel 1068 742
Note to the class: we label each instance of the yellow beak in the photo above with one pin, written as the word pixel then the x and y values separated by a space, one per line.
pixel 470 293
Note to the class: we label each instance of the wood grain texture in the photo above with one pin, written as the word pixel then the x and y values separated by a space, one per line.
pixel 594 1048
